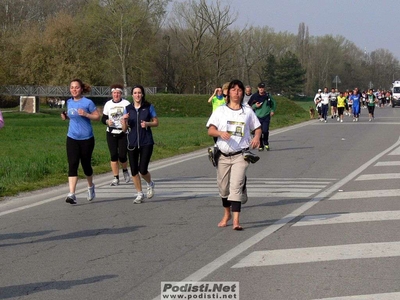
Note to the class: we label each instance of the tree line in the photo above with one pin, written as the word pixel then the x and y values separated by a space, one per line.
pixel 180 47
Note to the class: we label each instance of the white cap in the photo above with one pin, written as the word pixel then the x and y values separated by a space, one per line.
pixel 319 90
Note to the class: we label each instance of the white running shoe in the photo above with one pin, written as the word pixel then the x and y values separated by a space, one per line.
pixel 150 190
pixel 139 199
pixel 91 193
pixel 115 182
pixel 341 121
pixel 126 176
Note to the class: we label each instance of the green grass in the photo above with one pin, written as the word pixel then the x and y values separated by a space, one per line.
pixel 305 102
pixel 33 154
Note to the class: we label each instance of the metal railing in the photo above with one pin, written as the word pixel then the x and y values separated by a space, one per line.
pixel 60 91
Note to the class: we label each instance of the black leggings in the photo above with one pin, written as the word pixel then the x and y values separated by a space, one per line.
pixel 139 159
pixel 236 205
pixel 117 144
pixel 80 151
pixel 371 109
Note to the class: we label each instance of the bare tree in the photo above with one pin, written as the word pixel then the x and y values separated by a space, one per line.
pixel 189 25
pixel 126 25
pixel 16 13
pixel 219 20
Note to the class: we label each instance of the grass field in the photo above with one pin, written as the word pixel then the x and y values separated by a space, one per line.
pixel 33 154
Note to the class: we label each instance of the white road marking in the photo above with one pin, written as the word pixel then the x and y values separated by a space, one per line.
pixel 395 152
pixel 387 163
pixel 234 252
pixel 350 122
pixel 378 176
pixel 207 187
pixel 319 254
pixel 330 219
pixel 385 296
pixel 365 194
pixel 199 187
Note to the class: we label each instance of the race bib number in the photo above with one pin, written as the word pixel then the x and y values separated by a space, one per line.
pixel 235 128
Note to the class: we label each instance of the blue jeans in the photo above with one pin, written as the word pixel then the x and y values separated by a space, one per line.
pixel 325 111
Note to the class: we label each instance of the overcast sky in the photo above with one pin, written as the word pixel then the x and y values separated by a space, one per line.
pixel 370 24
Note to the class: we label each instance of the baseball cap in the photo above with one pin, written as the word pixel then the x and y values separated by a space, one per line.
pixel 319 90
pixel 261 85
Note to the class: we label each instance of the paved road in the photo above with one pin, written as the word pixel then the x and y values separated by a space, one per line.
pixel 321 223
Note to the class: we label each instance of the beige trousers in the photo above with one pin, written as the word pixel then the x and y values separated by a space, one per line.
pixel 231 173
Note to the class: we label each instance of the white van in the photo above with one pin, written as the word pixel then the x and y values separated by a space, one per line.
pixel 396 93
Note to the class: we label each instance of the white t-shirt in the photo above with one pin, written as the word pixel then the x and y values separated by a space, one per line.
pixel 333 96
pixel 325 98
pixel 239 123
pixel 115 111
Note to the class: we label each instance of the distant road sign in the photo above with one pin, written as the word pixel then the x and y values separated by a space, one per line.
pixel 336 79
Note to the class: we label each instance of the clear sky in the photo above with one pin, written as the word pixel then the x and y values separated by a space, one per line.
pixel 369 24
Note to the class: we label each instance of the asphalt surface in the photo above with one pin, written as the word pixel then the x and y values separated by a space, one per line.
pixel 321 223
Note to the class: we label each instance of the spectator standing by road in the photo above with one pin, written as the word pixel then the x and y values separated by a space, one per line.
pixel 139 117
pixel 116 139
pixel 232 124
pixel 264 106
pixel 80 139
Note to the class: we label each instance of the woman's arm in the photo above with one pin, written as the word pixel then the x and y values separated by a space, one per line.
pixel 152 123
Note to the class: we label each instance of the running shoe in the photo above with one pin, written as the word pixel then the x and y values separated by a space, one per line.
pixel 261 149
pixel 71 199
pixel 115 182
pixel 250 157
pixel 139 199
pixel 267 147
pixel 150 190
pixel 126 176
pixel 91 194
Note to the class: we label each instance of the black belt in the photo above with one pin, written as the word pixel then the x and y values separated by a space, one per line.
pixel 234 153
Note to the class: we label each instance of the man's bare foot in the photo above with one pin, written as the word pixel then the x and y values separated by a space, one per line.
pixel 224 221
